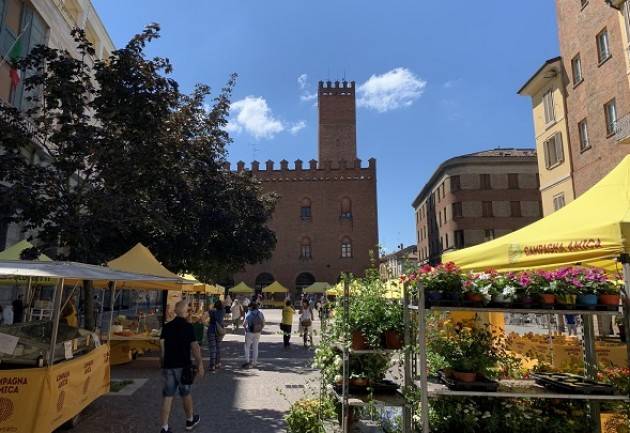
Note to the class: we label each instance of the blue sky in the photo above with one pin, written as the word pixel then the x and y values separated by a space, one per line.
pixel 439 78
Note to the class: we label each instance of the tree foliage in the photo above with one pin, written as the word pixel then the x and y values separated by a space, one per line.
pixel 111 153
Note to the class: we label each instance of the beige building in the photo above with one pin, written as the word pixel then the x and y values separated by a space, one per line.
pixel 401 262
pixel 547 91
pixel 28 23
pixel 474 198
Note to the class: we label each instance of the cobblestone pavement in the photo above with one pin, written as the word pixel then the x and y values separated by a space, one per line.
pixel 233 400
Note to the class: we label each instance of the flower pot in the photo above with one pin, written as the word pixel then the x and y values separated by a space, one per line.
pixel 393 340
pixel 567 301
pixel 464 376
pixel 474 298
pixel 588 301
pixel 609 300
pixel 547 300
pixel 434 296
pixel 525 301
pixel 359 381
pixel 501 299
pixel 359 342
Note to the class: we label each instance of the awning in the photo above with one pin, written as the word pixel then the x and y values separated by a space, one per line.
pixel 241 288
pixel 593 230
pixel 140 260
pixel 275 287
pixel 317 287
pixel 14 251
pixel 70 271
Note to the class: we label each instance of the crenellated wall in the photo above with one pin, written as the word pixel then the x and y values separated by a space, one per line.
pixel 342 170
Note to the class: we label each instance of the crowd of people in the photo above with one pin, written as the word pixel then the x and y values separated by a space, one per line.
pixel 181 343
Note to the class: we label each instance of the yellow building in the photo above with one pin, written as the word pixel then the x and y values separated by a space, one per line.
pixel 547 91
pixel 27 23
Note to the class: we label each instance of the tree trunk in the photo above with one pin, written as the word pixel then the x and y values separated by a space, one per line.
pixel 88 305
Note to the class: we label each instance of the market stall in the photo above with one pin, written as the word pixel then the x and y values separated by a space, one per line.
pixel 274 295
pixel 317 288
pixel 241 289
pixel 51 371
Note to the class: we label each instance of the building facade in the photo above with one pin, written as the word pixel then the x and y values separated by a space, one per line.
pixel 29 23
pixel 399 263
pixel 326 217
pixel 547 89
pixel 474 198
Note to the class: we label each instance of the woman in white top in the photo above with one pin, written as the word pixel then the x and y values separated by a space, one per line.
pixel 306 323
pixel 237 313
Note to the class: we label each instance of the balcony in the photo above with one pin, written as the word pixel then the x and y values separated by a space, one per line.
pixel 622 130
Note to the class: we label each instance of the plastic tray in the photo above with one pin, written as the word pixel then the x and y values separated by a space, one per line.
pixel 572 384
pixel 384 387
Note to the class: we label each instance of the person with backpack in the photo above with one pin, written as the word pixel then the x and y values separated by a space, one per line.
pixel 216 332
pixel 254 323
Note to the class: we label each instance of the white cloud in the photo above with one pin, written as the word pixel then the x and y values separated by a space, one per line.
pixel 297 127
pixel 393 89
pixel 308 97
pixel 252 115
pixel 302 81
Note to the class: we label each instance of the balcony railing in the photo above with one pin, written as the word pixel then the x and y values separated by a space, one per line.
pixel 622 130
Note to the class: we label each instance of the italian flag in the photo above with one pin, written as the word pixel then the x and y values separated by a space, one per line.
pixel 14 56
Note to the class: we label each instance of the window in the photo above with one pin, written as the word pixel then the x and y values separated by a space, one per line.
pixel 583 131
pixel 457 210
pixel 610 112
pixel 626 16
pixel 346 248
pixel 515 209
pixel 346 208
pixel 513 180
pixel 305 210
pixel 306 249
pixel 554 154
pixel 455 183
pixel 486 209
pixel 558 201
pixel 446 240
pixel 485 181
pixel 576 69
pixel 550 114
pixel 488 234
pixel 440 218
pixel 459 238
pixel 444 215
pixel 603 47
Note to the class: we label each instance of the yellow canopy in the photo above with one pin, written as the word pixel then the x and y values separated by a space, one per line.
pixel 140 260
pixel 593 230
pixel 14 251
pixel 317 287
pixel 242 288
pixel 275 287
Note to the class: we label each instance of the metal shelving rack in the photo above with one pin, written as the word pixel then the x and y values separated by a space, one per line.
pixel 513 389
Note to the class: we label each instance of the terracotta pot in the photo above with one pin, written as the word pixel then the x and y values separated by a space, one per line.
pixel 464 376
pixel 605 299
pixel 359 381
pixel 393 340
pixel 474 297
pixel 547 298
pixel 359 342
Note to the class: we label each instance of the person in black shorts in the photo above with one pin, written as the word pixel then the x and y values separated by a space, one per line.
pixel 177 342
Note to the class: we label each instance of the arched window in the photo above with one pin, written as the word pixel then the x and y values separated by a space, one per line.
pixel 263 280
pixel 303 280
pixel 346 248
pixel 305 209
pixel 346 208
pixel 305 249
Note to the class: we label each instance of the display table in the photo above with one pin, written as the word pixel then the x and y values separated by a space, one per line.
pixel 39 400
pixel 126 348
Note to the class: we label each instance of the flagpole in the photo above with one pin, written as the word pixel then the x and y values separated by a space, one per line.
pixel 3 60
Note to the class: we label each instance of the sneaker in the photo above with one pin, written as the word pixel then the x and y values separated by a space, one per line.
pixel 192 424
pixel 246 365
pixel 166 431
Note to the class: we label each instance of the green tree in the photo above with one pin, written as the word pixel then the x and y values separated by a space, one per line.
pixel 112 153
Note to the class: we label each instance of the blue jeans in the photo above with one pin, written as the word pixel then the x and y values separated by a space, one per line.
pixel 214 348
pixel 173 382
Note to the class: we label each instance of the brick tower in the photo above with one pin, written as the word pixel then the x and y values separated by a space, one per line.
pixel 337 122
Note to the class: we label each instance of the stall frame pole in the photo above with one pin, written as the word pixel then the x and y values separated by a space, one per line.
pixel 111 313
pixel 55 321
pixel 29 305
pixel 590 366
pixel 625 301
pixel 346 412
pixel 424 380
pixel 408 381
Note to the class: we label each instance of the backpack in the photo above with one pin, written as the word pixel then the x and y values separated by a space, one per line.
pixel 255 322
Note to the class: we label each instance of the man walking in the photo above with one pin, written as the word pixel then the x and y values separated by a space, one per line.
pixel 177 342
pixel 254 323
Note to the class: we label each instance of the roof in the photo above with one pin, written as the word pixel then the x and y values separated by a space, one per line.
pixel 14 252
pixel 546 65
pixel 492 155
pixel 402 253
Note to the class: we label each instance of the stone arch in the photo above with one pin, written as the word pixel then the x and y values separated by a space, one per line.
pixel 302 281
pixel 263 280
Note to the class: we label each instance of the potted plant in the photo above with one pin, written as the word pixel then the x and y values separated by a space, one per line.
pixel 393 326
pixel 565 284
pixel 539 285
pixel 476 288
pixel 527 290
pixel 469 351
pixel 443 282
pixel 504 289
pixel 589 282
pixel 367 315
pixel 609 295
